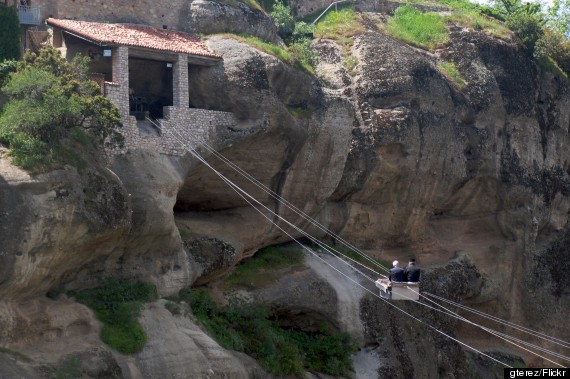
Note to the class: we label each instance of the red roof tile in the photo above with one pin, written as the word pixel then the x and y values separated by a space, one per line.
pixel 136 36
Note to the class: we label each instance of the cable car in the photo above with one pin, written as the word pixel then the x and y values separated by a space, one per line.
pixel 398 290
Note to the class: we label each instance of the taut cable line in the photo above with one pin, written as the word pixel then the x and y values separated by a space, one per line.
pixel 291 206
pixel 246 196
pixel 321 227
pixel 504 322
pixel 503 336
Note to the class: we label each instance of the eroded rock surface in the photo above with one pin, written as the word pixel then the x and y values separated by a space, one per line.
pixel 230 17
pixel 396 158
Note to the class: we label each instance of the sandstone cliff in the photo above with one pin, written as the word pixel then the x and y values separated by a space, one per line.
pixel 396 159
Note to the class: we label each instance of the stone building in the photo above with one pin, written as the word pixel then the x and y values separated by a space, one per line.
pixel 137 56
pixel 144 71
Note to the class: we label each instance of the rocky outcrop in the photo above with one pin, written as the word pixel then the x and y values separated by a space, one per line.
pixel 403 334
pixel 53 223
pixel 396 158
pixel 231 17
pixel 179 348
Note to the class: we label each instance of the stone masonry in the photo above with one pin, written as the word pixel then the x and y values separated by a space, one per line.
pixel 182 127
pixel 148 12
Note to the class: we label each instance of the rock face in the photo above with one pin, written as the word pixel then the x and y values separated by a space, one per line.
pixel 473 182
pixel 179 348
pixel 236 17
pixel 39 248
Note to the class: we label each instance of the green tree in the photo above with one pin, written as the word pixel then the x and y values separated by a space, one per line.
pixel 6 68
pixel 558 17
pixel 529 27
pixel 525 19
pixel 511 8
pixel 9 33
pixel 283 19
pixel 51 100
pixel 553 44
pixel 301 31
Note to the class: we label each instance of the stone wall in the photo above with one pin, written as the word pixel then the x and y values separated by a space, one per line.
pixel 195 16
pixel 188 127
pixel 148 12
pixel 302 8
pixel 181 129
pixel 181 126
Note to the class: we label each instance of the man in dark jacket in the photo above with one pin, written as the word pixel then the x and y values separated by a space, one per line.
pixel 412 272
pixel 396 273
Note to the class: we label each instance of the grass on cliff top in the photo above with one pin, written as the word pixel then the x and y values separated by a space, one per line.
pixel 260 269
pixel 426 30
pixel 449 69
pixel 340 26
pixel 547 64
pixel 288 55
pixel 117 304
pixel 247 327
pixel 478 21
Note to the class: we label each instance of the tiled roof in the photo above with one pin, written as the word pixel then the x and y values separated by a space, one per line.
pixel 136 36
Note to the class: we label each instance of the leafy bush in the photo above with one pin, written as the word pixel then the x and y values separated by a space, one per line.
pixel 6 68
pixel 118 304
pixel 173 307
pixel 127 338
pixel 528 27
pixel 302 55
pixel 302 31
pixel 69 369
pixel 246 327
pixel 553 44
pixel 49 99
pixel 426 30
pixel 257 269
pixel 283 19
pixel 9 33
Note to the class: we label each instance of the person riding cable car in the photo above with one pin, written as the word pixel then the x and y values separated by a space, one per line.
pixel 412 272
pixel 401 284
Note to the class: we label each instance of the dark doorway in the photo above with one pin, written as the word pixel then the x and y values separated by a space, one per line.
pixel 150 87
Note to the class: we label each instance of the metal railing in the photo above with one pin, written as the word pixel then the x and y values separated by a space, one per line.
pixel 29 15
pixel 329 7
pixel 156 122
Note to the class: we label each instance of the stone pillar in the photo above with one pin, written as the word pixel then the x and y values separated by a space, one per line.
pixel 180 82
pixel 120 62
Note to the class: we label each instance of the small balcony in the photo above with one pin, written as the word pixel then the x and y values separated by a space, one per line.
pixel 29 15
